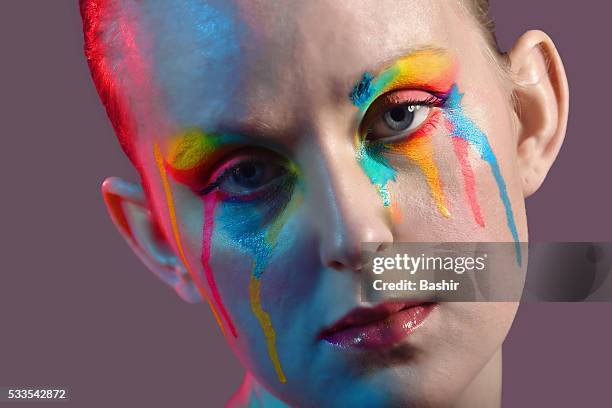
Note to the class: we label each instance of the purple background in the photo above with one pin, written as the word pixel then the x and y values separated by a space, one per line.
pixel 79 310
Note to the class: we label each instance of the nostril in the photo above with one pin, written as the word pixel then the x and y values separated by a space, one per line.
pixel 355 265
pixel 335 265
pixel 383 246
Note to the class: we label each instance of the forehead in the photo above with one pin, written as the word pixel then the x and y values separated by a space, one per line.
pixel 215 60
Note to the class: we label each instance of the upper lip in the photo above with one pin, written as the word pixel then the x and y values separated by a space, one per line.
pixel 361 316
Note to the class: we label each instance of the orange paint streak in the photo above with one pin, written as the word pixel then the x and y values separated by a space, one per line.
pixel 420 150
pixel 175 231
pixel 395 212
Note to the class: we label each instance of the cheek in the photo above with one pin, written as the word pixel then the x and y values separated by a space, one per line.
pixel 252 242
pixel 453 185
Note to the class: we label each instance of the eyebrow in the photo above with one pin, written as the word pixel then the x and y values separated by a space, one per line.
pixel 428 68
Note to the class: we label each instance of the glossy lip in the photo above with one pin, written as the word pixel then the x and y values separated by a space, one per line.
pixel 381 326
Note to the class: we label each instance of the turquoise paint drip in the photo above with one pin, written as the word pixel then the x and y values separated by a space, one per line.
pixel 377 169
pixel 466 129
pixel 249 224
pixel 370 157
pixel 362 92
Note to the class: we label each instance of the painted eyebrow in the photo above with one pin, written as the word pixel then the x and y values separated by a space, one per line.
pixel 433 68
pixel 191 147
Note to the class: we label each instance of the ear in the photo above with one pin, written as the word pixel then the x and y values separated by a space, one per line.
pixel 130 212
pixel 541 97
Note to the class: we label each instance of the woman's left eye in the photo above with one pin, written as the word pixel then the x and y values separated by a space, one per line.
pixel 398 121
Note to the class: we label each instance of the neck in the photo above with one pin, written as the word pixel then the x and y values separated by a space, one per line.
pixel 483 392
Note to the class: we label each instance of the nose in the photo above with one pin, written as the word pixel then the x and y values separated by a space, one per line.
pixel 346 205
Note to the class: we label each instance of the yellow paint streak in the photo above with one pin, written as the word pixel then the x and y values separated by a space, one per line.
pixel 432 67
pixel 271 239
pixel 175 229
pixel 266 325
pixel 420 151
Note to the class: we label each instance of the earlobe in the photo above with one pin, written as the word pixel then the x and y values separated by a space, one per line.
pixel 130 212
pixel 541 96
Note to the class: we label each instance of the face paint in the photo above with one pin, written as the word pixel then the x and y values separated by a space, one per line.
pixel 375 166
pixel 193 149
pixel 188 156
pixel 419 149
pixel 433 71
pixel 210 203
pixel 461 151
pixel 261 244
pixel 188 152
pixel 175 231
pixel 465 129
pixel 427 69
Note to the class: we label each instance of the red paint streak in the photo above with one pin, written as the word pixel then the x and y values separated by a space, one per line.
pixel 210 203
pixel 461 150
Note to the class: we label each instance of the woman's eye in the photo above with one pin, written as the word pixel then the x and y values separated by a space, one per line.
pixel 250 176
pixel 398 121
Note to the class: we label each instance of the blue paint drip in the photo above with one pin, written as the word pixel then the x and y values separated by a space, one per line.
pixel 464 128
pixel 245 225
pixel 362 92
pixel 259 248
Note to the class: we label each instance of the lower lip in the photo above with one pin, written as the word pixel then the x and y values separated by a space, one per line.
pixel 383 333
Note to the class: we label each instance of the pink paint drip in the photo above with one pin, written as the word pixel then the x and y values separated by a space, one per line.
pixel 461 150
pixel 210 203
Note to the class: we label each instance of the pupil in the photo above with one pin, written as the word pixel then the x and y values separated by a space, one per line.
pixel 246 171
pixel 398 114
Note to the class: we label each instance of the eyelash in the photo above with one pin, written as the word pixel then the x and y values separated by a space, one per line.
pixel 432 101
pixel 217 180
pixel 226 171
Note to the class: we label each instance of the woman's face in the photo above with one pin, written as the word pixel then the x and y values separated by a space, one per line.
pixel 275 138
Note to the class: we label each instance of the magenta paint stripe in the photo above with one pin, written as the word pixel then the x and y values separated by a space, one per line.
pixel 461 150
pixel 210 203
